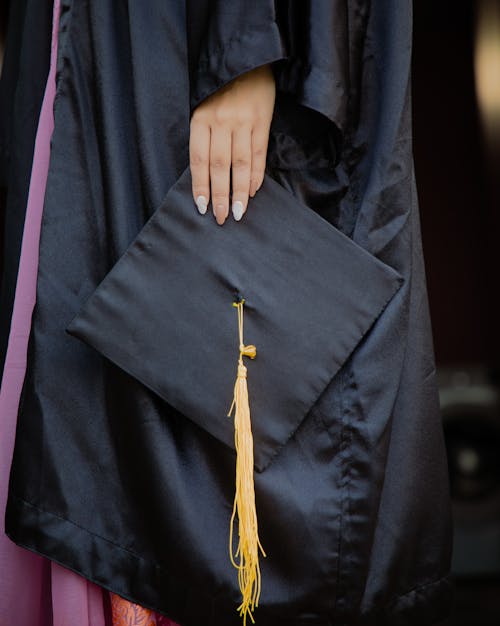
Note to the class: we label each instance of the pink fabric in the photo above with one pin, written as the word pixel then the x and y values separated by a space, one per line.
pixel 75 600
pixel 34 590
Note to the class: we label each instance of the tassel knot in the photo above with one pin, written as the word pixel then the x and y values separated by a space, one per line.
pixel 249 350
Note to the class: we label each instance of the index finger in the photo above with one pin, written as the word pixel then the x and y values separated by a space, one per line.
pixel 199 152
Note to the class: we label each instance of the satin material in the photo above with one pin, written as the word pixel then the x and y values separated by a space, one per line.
pixel 356 505
pixel 52 594
pixel 22 85
pixel 305 314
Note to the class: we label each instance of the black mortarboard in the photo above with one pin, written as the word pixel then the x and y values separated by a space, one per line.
pixel 170 313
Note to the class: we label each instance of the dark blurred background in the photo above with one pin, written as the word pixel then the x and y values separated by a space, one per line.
pixel 456 115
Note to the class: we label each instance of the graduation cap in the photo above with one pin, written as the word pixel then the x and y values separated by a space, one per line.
pixel 170 313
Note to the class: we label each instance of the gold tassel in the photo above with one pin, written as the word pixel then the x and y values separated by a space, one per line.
pixel 244 499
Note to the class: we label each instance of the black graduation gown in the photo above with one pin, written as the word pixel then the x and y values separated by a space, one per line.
pixel 112 482
pixel 22 84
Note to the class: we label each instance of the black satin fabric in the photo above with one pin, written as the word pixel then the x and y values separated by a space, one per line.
pixel 185 352
pixel 110 480
pixel 22 84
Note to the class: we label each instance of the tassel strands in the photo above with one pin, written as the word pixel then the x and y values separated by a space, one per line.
pixel 249 578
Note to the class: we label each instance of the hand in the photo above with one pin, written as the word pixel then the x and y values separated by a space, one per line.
pixel 229 134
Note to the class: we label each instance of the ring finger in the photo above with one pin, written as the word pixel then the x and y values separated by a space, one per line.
pixel 241 162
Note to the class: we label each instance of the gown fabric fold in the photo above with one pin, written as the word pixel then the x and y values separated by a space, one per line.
pixel 52 595
pixel 22 84
pixel 116 485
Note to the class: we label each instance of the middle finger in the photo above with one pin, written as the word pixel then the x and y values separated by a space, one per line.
pixel 220 162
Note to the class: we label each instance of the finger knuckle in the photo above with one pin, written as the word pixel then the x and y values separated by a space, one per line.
pixel 219 198
pixel 219 163
pixel 262 116
pixel 241 163
pixel 198 159
pixel 259 152
pixel 198 116
pixel 200 191
pixel 244 118
pixel 222 115
pixel 240 193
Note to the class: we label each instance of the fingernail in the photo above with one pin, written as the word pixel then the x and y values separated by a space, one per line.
pixel 219 214
pixel 237 210
pixel 201 203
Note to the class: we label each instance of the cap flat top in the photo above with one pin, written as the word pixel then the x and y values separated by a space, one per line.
pixel 164 312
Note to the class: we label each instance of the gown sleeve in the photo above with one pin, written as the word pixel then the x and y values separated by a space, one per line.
pixel 304 41
pixel 305 44
pixel 229 38
pixel 314 70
